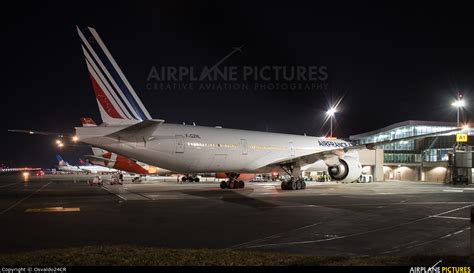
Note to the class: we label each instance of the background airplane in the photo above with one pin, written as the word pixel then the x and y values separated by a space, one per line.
pixel 66 167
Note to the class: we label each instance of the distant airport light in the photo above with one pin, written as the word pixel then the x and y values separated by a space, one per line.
pixel 458 103
pixel 26 175
pixel 75 138
pixel 59 143
pixel 465 127
pixel 331 111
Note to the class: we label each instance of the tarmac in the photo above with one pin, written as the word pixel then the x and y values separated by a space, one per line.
pixel 328 218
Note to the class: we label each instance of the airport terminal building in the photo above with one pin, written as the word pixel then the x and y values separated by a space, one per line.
pixel 428 159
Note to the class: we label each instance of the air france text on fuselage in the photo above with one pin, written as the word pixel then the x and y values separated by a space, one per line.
pixel 328 143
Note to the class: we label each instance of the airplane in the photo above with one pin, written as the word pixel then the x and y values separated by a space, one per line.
pixel 129 130
pixel 66 167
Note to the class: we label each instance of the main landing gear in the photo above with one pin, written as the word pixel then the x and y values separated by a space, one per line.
pixel 294 183
pixel 190 179
pixel 232 183
pixel 138 179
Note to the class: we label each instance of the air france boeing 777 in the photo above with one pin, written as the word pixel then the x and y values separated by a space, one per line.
pixel 129 130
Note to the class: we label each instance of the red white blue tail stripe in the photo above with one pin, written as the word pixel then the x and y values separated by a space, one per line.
pixel 116 98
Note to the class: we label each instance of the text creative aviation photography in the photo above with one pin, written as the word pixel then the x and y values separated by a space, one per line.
pixel 110 163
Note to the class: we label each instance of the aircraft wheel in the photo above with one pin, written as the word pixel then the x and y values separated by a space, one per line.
pixel 293 185
pixel 241 184
pixel 303 185
pixel 283 186
pixel 298 185
pixel 223 184
pixel 196 179
pixel 184 179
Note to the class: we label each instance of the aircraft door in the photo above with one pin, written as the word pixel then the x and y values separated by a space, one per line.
pixel 292 148
pixel 179 144
pixel 245 147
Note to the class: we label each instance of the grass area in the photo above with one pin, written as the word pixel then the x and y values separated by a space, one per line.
pixel 125 255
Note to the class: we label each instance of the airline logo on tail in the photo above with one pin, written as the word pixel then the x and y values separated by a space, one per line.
pixel 82 163
pixel 61 161
pixel 118 102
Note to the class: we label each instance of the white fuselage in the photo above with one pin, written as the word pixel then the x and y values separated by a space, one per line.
pixel 97 169
pixel 196 149
pixel 69 168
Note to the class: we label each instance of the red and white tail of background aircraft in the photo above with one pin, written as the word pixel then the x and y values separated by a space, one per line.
pixel 129 130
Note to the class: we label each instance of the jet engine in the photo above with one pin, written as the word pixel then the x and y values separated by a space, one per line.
pixel 345 170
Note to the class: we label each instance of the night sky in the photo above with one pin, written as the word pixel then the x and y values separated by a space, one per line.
pixel 390 63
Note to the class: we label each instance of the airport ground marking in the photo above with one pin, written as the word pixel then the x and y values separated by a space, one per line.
pixel 453 190
pixel 4 186
pixel 107 189
pixel 429 241
pixel 23 199
pixel 453 210
pixel 271 236
pixel 452 217
pixel 53 209
pixel 139 194
pixel 343 236
pixel 363 232
pixel 366 204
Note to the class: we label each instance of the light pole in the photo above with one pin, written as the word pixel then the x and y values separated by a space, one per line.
pixel 330 113
pixel 459 103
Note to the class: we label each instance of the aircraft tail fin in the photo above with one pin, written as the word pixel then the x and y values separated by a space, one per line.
pixel 98 151
pixel 61 161
pixel 82 163
pixel 118 103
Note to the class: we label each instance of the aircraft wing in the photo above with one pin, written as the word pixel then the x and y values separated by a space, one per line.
pixel 340 151
pixel 31 132
pixel 67 137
